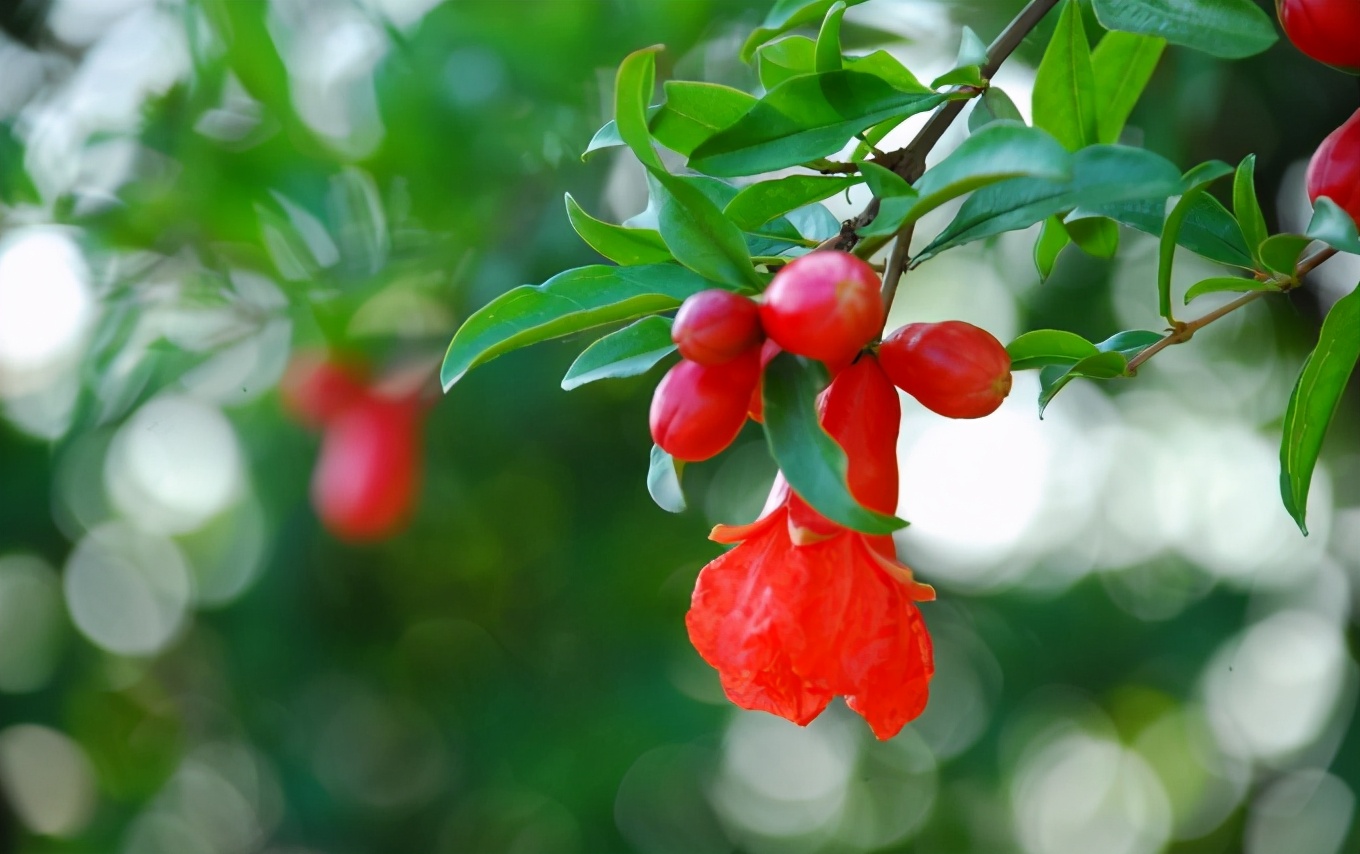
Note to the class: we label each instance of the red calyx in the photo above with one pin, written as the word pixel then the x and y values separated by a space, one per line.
pixel 824 305
pixel 1334 171
pixel 953 368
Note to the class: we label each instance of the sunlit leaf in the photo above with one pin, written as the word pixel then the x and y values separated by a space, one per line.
pixel 827 56
pixel 1064 87
pixel 1043 347
pixel 628 352
pixel 621 245
pixel 693 112
pixel 697 233
pixel 784 16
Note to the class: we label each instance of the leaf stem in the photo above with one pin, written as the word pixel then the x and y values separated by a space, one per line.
pixel 1183 332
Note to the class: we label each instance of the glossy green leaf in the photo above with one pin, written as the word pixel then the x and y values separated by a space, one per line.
pixel 887 67
pixel 605 138
pixel 1209 229
pixel 805 118
pixel 633 85
pixel 872 137
pixel 1129 343
pixel 994 105
pixel 1043 347
pixel 693 112
pixel 785 16
pixel 1101 174
pixel 1246 207
pixel 968 75
pixel 1280 253
pixel 1229 29
pixel 812 462
pixel 1333 226
pixel 1314 400
pixel 772 238
pixel 885 183
pixel 628 352
pixel 759 203
pixel 697 233
pixel 1053 239
pixel 621 245
pixel 569 302
pixel 827 56
pixel 1096 236
pixel 788 57
pixel 1219 284
pixel 996 153
pixel 1102 366
pixel 968 65
pixel 1123 64
pixel 1166 254
pixel 663 481
pixel 1064 88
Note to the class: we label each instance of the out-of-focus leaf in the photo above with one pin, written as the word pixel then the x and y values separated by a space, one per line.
pixel 1195 186
pixel 628 352
pixel 1097 236
pixel 1333 226
pixel 1065 86
pixel 788 57
pixel 568 302
pixel 1123 64
pixel 693 112
pixel 785 16
pixel 697 233
pixel 805 118
pixel 1229 29
pixel 759 203
pixel 1280 253
pixel 1053 239
pixel 621 245
pixel 1246 207
pixel 828 52
pixel 1043 347
pixel 1313 403
pixel 1129 343
pixel 994 105
pixel 812 462
pixel 633 87
pixel 1219 284
pixel 663 481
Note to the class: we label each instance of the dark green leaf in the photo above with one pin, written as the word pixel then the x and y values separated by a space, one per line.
pixel 621 245
pixel 1065 88
pixel 994 105
pixel 663 481
pixel 1044 347
pixel 1280 253
pixel 1196 186
pixel 1230 29
pixel 1246 208
pixel 697 233
pixel 785 16
pixel 1314 401
pixel 693 112
pixel 812 462
pixel 805 118
pixel 885 183
pixel 1097 236
pixel 828 53
pixel 1129 343
pixel 568 302
pixel 1333 226
pixel 759 203
pixel 1102 366
pixel 1208 230
pixel 1053 239
pixel 1218 284
pixel 786 58
pixel 633 87
pixel 1123 64
pixel 628 352
pixel 1101 174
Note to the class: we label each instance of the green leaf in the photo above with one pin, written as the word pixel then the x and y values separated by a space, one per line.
pixel 885 66
pixel 1229 29
pixel 788 57
pixel 1246 208
pixel 1102 366
pixel 1053 239
pixel 812 462
pixel 1123 64
pixel 1097 236
pixel 994 105
pixel 604 138
pixel 785 16
pixel 697 233
pixel 1065 87
pixel 996 153
pixel 633 87
pixel 1314 401
pixel 1129 343
pixel 759 203
pixel 828 53
pixel 1197 185
pixel 1101 174
pixel 1208 230
pixel 872 137
pixel 1280 253
pixel 968 65
pixel 805 118
pixel 663 481
pixel 1219 284
pixel 630 351
pixel 885 183
pixel 1333 226
pixel 693 112
pixel 1043 347
pixel 968 75
pixel 621 245
pixel 569 302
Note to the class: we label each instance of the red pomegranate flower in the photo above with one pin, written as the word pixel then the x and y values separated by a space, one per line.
pixel 803 609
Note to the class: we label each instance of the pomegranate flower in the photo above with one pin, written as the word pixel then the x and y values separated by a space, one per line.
pixel 803 609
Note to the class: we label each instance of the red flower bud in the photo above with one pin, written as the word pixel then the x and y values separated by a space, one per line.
pixel 716 326
pixel 953 368
pixel 824 305
pixel 366 478
pixel 1334 171
pixel 315 389
pixel 1326 30
pixel 698 409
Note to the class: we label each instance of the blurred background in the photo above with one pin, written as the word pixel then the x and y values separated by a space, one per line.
pixel 1137 651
